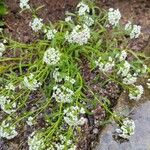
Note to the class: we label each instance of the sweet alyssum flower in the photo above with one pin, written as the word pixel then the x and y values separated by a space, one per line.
pixel 122 56
pixel 2 49
pixel 36 141
pixel 1 30
pixel 50 33
pixel 51 56
pixel 10 86
pixel 36 24
pixel 31 83
pixel 30 121
pixel 114 16
pixel 148 83
pixel 134 30
pixel 105 66
pixel 62 94
pixel 24 4
pixel 7 105
pixel 124 70
pixel 57 76
pixel 7 130
pixel 72 115
pixel 69 18
pixel 127 128
pixel 88 21
pixel 83 8
pixel 136 93
pixel 63 142
pixel 71 80
pixel 78 35
pixel 129 79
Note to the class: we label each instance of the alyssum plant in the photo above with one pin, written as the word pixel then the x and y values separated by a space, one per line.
pixel 45 79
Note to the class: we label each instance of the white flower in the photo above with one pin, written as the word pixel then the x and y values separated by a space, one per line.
pixel 30 121
pixel 7 105
pixel 36 141
pixel 114 16
pixel 105 66
pixel 137 93
pixel 124 70
pixel 129 79
pixel 36 24
pixel 62 94
pixel 10 86
pixel 51 56
pixel 2 49
pixel 50 34
pixel 123 55
pixel 1 30
pixel 127 128
pixel 69 18
pixel 78 35
pixel 62 142
pixel 128 26
pixel 83 8
pixel 148 84
pixel 82 121
pixel 144 69
pixel 134 30
pixel 31 83
pixel 24 4
pixel 56 75
pixel 7 130
pixel 88 21
pixel 72 116
pixel 71 80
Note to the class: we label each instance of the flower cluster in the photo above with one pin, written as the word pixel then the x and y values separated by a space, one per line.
pixel 36 141
pixel 51 56
pixel 10 86
pixel 88 21
pixel 121 56
pixel 63 141
pixel 83 8
pixel 2 49
pixel 130 79
pixel 68 19
pixel 24 4
pixel 148 84
pixel 6 105
pixel 105 66
pixel 134 30
pixel 57 76
pixel 114 16
pixel 71 80
pixel 124 69
pixel 7 130
pixel 50 33
pixel 30 121
pixel 136 93
pixel 127 128
pixel 36 24
pixel 79 35
pixel 31 83
pixel 72 116
pixel 62 94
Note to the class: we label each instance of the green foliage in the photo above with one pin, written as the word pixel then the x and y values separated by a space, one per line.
pixel 3 11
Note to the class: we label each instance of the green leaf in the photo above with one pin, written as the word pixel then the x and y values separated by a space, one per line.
pixel 3 9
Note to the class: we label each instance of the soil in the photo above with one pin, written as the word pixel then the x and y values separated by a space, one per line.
pixel 17 26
